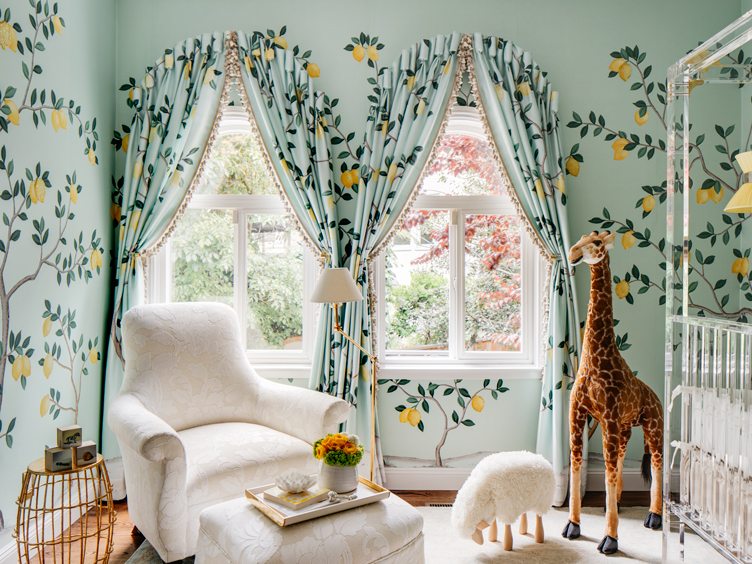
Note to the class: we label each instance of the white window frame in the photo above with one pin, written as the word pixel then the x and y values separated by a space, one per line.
pixel 457 362
pixel 272 363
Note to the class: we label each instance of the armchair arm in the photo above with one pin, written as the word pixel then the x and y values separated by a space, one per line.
pixel 142 431
pixel 302 413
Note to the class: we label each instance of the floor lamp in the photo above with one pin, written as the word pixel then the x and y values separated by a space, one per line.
pixel 336 286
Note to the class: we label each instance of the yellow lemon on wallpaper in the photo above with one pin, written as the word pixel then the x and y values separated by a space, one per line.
pixel 124 142
pixel 622 289
pixel 93 356
pixel 716 196
pixel 414 417
pixel 96 259
pixel 391 173
pixel 16 368
pixel 618 147
pixel 73 193
pixel 25 366
pixel 281 42
pixel 572 166
pixel 58 120
pixel 616 64
pixel 47 366
pixel 524 88
pixel 478 403
pixel 640 120
pixel 44 405
pixel 421 107
pixel 92 156
pixel 269 54
pixel 628 240
pixel 625 71
pixel 14 117
pixel 702 196
pixel 8 38
pixel 403 415
pixel 373 55
pixel 354 176
pixel 648 203
pixel 57 23
pixel 358 53
pixel 37 191
pixel 46 326
pixel 313 70
pixel 740 266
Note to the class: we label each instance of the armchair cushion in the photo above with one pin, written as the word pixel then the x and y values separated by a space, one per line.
pixel 225 458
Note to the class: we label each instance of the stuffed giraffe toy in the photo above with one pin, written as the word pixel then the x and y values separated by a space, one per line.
pixel 606 389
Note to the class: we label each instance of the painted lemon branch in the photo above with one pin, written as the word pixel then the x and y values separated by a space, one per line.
pixel 80 262
pixel 74 350
pixel 653 103
pixel 420 401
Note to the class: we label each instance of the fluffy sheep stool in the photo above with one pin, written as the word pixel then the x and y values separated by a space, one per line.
pixel 504 486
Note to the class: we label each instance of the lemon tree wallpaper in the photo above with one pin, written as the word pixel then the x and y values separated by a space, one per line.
pixel 608 62
pixel 55 99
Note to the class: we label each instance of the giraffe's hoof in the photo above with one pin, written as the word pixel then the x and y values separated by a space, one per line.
pixel 571 530
pixel 653 521
pixel 608 545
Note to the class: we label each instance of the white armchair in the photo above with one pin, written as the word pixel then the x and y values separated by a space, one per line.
pixel 197 425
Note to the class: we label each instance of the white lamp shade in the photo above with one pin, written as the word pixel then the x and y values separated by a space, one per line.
pixel 336 286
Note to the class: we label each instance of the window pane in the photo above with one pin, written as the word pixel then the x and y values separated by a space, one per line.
pixel 236 167
pixel 417 284
pixel 493 288
pixel 202 258
pixel 275 283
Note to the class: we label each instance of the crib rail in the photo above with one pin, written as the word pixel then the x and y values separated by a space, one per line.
pixel 714 448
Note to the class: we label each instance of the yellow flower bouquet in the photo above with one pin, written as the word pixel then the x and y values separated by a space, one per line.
pixel 339 449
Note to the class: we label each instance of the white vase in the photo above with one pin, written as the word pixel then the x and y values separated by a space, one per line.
pixel 341 479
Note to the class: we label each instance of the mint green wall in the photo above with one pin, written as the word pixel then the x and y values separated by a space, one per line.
pixel 76 64
pixel 573 41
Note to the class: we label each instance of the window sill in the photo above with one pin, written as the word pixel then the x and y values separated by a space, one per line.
pixel 459 371
pixel 282 371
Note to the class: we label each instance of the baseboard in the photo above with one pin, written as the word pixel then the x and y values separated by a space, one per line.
pixel 631 476
pixel 426 478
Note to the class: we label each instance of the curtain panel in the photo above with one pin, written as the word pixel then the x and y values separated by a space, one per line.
pixel 412 99
pixel 175 107
pixel 292 119
pixel 520 110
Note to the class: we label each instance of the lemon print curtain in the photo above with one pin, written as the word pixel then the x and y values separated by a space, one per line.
pixel 412 98
pixel 521 110
pixel 293 120
pixel 174 110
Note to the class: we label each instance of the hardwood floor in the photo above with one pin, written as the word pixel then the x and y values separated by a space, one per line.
pixel 126 540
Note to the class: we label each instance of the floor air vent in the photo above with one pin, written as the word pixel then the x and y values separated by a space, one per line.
pixel 440 505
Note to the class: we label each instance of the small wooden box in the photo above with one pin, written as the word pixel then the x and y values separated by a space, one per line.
pixel 56 459
pixel 69 436
pixel 86 454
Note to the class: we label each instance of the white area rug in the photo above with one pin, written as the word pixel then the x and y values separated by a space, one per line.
pixel 636 543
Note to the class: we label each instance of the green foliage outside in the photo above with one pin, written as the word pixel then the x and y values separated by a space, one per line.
pixel 419 311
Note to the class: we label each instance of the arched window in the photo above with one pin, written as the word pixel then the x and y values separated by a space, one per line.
pixel 459 285
pixel 237 244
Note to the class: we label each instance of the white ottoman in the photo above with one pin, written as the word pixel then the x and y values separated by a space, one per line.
pixel 387 531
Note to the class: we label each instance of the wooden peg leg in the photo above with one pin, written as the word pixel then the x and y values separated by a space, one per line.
pixel 523 524
pixel 507 537
pixel 538 529
pixel 493 532
pixel 477 535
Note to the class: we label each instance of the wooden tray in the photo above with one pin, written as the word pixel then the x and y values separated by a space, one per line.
pixel 367 492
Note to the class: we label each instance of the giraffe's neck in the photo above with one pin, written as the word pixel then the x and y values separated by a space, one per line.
pixel 599 339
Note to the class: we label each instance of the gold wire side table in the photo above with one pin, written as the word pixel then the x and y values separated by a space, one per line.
pixel 51 502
